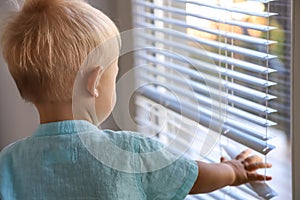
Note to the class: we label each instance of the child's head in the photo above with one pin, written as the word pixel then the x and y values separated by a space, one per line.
pixel 46 42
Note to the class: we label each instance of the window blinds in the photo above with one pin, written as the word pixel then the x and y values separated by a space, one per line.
pixel 204 57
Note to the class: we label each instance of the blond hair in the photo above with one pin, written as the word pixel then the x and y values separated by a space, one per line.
pixel 45 43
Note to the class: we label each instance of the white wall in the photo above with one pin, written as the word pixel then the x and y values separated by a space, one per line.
pixel 19 119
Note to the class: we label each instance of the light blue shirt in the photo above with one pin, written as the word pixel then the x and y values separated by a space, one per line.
pixel 76 160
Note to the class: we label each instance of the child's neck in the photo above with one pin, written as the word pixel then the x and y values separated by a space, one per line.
pixel 53 112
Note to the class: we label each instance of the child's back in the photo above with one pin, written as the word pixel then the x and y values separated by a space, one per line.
pixel 56 164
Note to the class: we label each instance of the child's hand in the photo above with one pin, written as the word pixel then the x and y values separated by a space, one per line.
pixel 245 166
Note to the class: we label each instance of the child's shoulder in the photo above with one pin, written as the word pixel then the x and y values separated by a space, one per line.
pixel 11 146
pixel 10 149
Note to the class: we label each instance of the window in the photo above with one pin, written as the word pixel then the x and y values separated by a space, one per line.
pixel 218 67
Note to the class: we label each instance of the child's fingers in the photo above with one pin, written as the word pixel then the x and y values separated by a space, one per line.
pixel 258 177
pixel 253 159
pixel 243 154
pixel 257 165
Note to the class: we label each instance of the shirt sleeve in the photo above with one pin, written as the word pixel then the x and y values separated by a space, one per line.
pixel 169 176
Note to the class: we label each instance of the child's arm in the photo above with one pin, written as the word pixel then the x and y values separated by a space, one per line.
pixel 234 172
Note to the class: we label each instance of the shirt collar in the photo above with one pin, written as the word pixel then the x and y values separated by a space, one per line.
pixel 64 127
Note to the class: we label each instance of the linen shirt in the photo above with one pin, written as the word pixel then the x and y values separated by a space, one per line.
pixel 76 160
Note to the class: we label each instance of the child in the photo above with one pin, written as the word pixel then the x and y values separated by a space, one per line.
pixel 46 45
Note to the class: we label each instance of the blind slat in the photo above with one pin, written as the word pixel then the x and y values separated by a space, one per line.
pixel 198 15
pixel 231 123
pixel 250 104
pixel 258 145
pixel 235 10
pixel 210 68
pixel 254 107
pixel 218 58
pixel 251 117
pixel 248 91
pixel 240 37
pixel 190 49
pixel 223 46
pixel 245 91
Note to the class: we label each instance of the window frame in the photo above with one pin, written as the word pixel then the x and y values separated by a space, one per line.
pixel 295 99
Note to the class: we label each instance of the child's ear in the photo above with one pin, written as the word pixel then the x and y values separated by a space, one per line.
pixel 93 81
